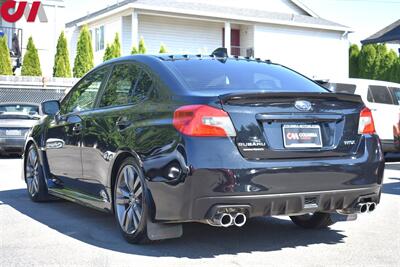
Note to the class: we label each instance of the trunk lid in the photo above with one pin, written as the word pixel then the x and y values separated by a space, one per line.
pixel 276 125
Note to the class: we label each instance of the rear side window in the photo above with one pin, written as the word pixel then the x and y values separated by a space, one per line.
pixel 396 94
pixel 120 86
pixel 128 84
pixel 381 95
pixel 143 88
pixel 239 75
pixel 343 88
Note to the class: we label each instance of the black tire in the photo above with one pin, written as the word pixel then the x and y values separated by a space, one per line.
pixel 316 220
pixel 34 177
pixel 128 204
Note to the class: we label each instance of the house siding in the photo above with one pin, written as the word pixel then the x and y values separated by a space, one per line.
pixel 126 36
pixel 180 35
pixel 112 25
pixel 315 53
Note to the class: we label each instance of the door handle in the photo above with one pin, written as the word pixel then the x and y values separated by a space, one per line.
pixel 77 128
pixel 123 123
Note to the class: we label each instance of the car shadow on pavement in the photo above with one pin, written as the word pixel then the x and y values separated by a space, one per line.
pixel 392 188
pixel 199 240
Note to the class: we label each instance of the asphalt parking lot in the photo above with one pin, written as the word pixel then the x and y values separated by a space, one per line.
pixel 65 234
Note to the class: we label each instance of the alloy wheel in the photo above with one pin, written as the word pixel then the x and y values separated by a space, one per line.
pixel 129 199
pixel 32 172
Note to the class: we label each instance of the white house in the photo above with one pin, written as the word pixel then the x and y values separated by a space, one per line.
pixel 44 34
pixel 284 31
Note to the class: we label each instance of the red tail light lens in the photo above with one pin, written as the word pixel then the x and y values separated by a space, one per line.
pixel 202 120
pixel 366 125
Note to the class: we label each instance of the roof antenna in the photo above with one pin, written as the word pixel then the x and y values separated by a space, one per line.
pixel 220 52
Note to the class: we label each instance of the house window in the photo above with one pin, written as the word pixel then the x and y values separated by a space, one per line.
pixel 99 38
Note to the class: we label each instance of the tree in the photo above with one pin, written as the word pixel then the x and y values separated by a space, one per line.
pixel 108 54
pixel 366 62
pixel 84 60
pixel 142 46
pixel 394 71
pixel 389 60
pixel 5 60
pixel 62 67
pixel 116 47
pixel 134 50
pixel 31 62
pixel 163 49
pixel 354 53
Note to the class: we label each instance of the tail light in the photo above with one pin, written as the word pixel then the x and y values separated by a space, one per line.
pixel 366 125
pixel 202 120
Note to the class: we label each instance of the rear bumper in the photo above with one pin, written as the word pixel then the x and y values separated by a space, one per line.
pixel 11 145
pixel 269 187
pixel 288 204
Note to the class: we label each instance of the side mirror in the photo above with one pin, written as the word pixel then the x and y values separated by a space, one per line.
pixel 51 107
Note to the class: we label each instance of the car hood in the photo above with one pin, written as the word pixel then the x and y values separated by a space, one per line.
pixel 17 123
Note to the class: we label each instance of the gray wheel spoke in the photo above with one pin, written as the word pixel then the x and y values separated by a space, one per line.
pixel 122 193
pixel 29 182
pixel 138 192
pixel 35 184
pixel 128 179
pixel 135 218
pixel 128 218
pixel 137 182
pixel 122 201
pixel 29 171
pixel 138 212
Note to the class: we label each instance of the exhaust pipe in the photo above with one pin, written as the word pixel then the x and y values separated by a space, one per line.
pixel 371 206
pixel 240 219
pixel 362 208
pixel 222 219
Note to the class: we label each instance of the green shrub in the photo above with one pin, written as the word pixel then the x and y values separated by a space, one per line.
pixel 31 62
pixel 62 67
pixel 142 46
pixel 163 49
pixel 5 60
pixel 84 60
pixel 354 53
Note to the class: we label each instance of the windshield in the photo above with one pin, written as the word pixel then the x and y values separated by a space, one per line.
pixel 15 111
pixel 240 75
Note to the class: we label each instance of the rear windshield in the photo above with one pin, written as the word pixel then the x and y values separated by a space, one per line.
pixel 240 75
pixel 17 108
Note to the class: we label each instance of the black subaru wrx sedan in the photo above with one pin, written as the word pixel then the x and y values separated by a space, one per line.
pixel 163 140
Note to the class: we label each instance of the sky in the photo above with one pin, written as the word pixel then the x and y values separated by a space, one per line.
pixel 365 17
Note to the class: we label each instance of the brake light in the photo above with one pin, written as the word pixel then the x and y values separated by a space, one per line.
pixel 202 120
pixel 366 125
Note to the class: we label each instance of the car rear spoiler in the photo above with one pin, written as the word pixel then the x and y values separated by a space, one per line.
pixel 268 96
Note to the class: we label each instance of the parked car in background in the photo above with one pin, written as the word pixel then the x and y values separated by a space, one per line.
pixel 163 140
pixel 383 99
pixel 16 119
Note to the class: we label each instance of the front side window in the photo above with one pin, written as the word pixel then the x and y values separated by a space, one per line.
pixel 120 86
pixel 99 38
pixel 83 95
pixel 381 95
